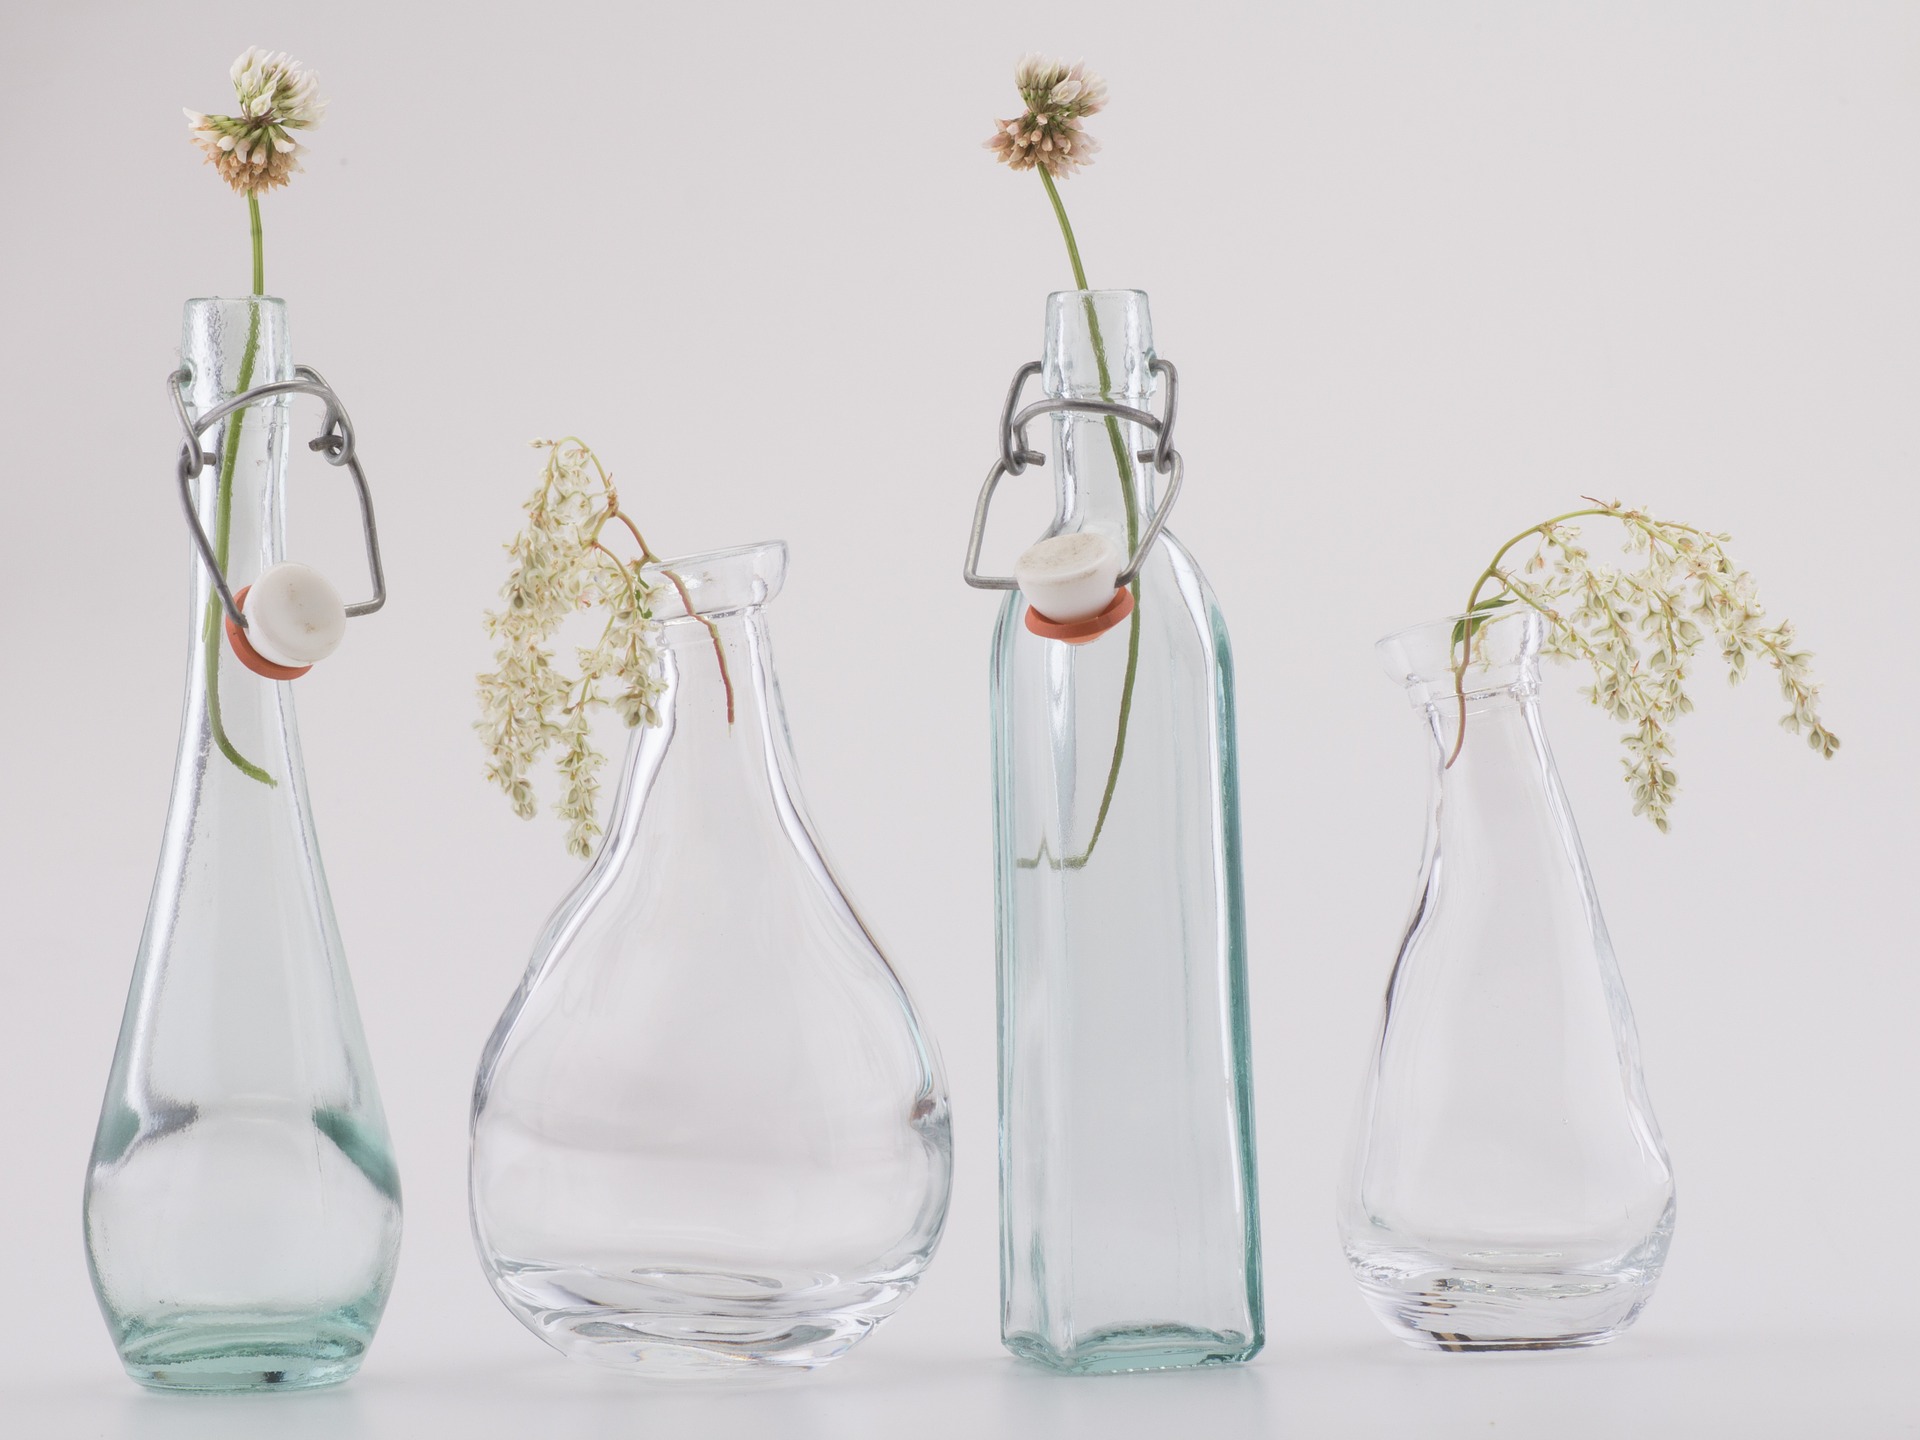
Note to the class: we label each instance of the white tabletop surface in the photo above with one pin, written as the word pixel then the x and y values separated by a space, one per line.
pixel 1753 1387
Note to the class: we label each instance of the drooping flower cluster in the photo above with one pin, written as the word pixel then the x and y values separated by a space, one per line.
pixel 529 705
pixel 255 150
pixel 1640 629
pixel 1049 135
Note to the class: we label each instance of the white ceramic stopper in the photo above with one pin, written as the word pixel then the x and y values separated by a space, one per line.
pixel 294 615
pixel 1070 577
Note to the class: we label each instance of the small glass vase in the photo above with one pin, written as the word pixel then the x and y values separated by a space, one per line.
pixel 1508 1188
pixel 709 1134
pixel 1129 1215
pixel 242 1207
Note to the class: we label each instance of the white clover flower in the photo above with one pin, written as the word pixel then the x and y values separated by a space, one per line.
pixel 255 150
pixel 1058 97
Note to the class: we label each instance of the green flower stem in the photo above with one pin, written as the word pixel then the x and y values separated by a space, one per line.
pixel 223 512
pixel 1467 624
pixel 1066 230
pixel 259 248
pixel 1123 462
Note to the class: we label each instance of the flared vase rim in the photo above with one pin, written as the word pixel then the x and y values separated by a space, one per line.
pixel 737 577
pixel 1438 634
pixel 1487 622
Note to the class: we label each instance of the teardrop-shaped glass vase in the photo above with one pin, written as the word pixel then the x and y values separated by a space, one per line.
pixel 709 1135
pixel 242 1207
pixel 1508 1188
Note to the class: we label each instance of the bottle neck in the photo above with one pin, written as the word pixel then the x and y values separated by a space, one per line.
pixel 1099 347
pixel 231 345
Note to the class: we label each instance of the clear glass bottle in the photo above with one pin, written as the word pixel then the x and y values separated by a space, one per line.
pixel 1508 1189
pixel 242 1207
pixel 709 1134
pixel 1129 1230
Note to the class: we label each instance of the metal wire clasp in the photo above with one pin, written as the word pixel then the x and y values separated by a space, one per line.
pixel 1016 456
pixel 335 441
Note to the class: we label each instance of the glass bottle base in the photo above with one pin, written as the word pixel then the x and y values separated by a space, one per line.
pixel 238 1351
pixel 1119 1349
pixel 1454 1308
pixel 686 1324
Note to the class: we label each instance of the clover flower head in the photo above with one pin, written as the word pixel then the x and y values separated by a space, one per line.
pixel 255 150
pixel 1048 135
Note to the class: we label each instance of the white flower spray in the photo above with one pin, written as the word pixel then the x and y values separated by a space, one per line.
pixel 562 566
pixel 1640 630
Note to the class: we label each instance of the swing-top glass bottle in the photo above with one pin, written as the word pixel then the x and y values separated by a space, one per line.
pixel 1129 1213
pixel 242 1207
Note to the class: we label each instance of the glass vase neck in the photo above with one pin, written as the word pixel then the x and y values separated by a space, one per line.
pixel 1497 790
pixel 722 739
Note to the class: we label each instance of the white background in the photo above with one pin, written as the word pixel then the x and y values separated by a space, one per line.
pixel 1429 273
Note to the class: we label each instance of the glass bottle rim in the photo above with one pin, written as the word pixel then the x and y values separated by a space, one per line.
pixel 193 300
pixel 1126 292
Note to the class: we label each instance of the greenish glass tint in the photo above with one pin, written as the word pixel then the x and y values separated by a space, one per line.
pixel 1129 1228
pixel 242 1207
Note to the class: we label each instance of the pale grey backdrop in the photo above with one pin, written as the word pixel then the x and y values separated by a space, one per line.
pixel 1429 274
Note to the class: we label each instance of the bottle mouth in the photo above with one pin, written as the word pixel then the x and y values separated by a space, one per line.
pixel 1072 364
pixel 1505 651
pixel 718 581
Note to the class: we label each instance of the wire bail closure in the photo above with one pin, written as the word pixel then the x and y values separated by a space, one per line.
pixel 335 442
pixel 1016 456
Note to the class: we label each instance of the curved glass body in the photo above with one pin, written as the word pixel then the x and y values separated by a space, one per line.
pixel 709 1135
pixel 242 1208
pixel 1508 1188
pixel 1129 1225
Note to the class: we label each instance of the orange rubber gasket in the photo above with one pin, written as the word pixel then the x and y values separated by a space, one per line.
pixel 251 658
pixel 1079 632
